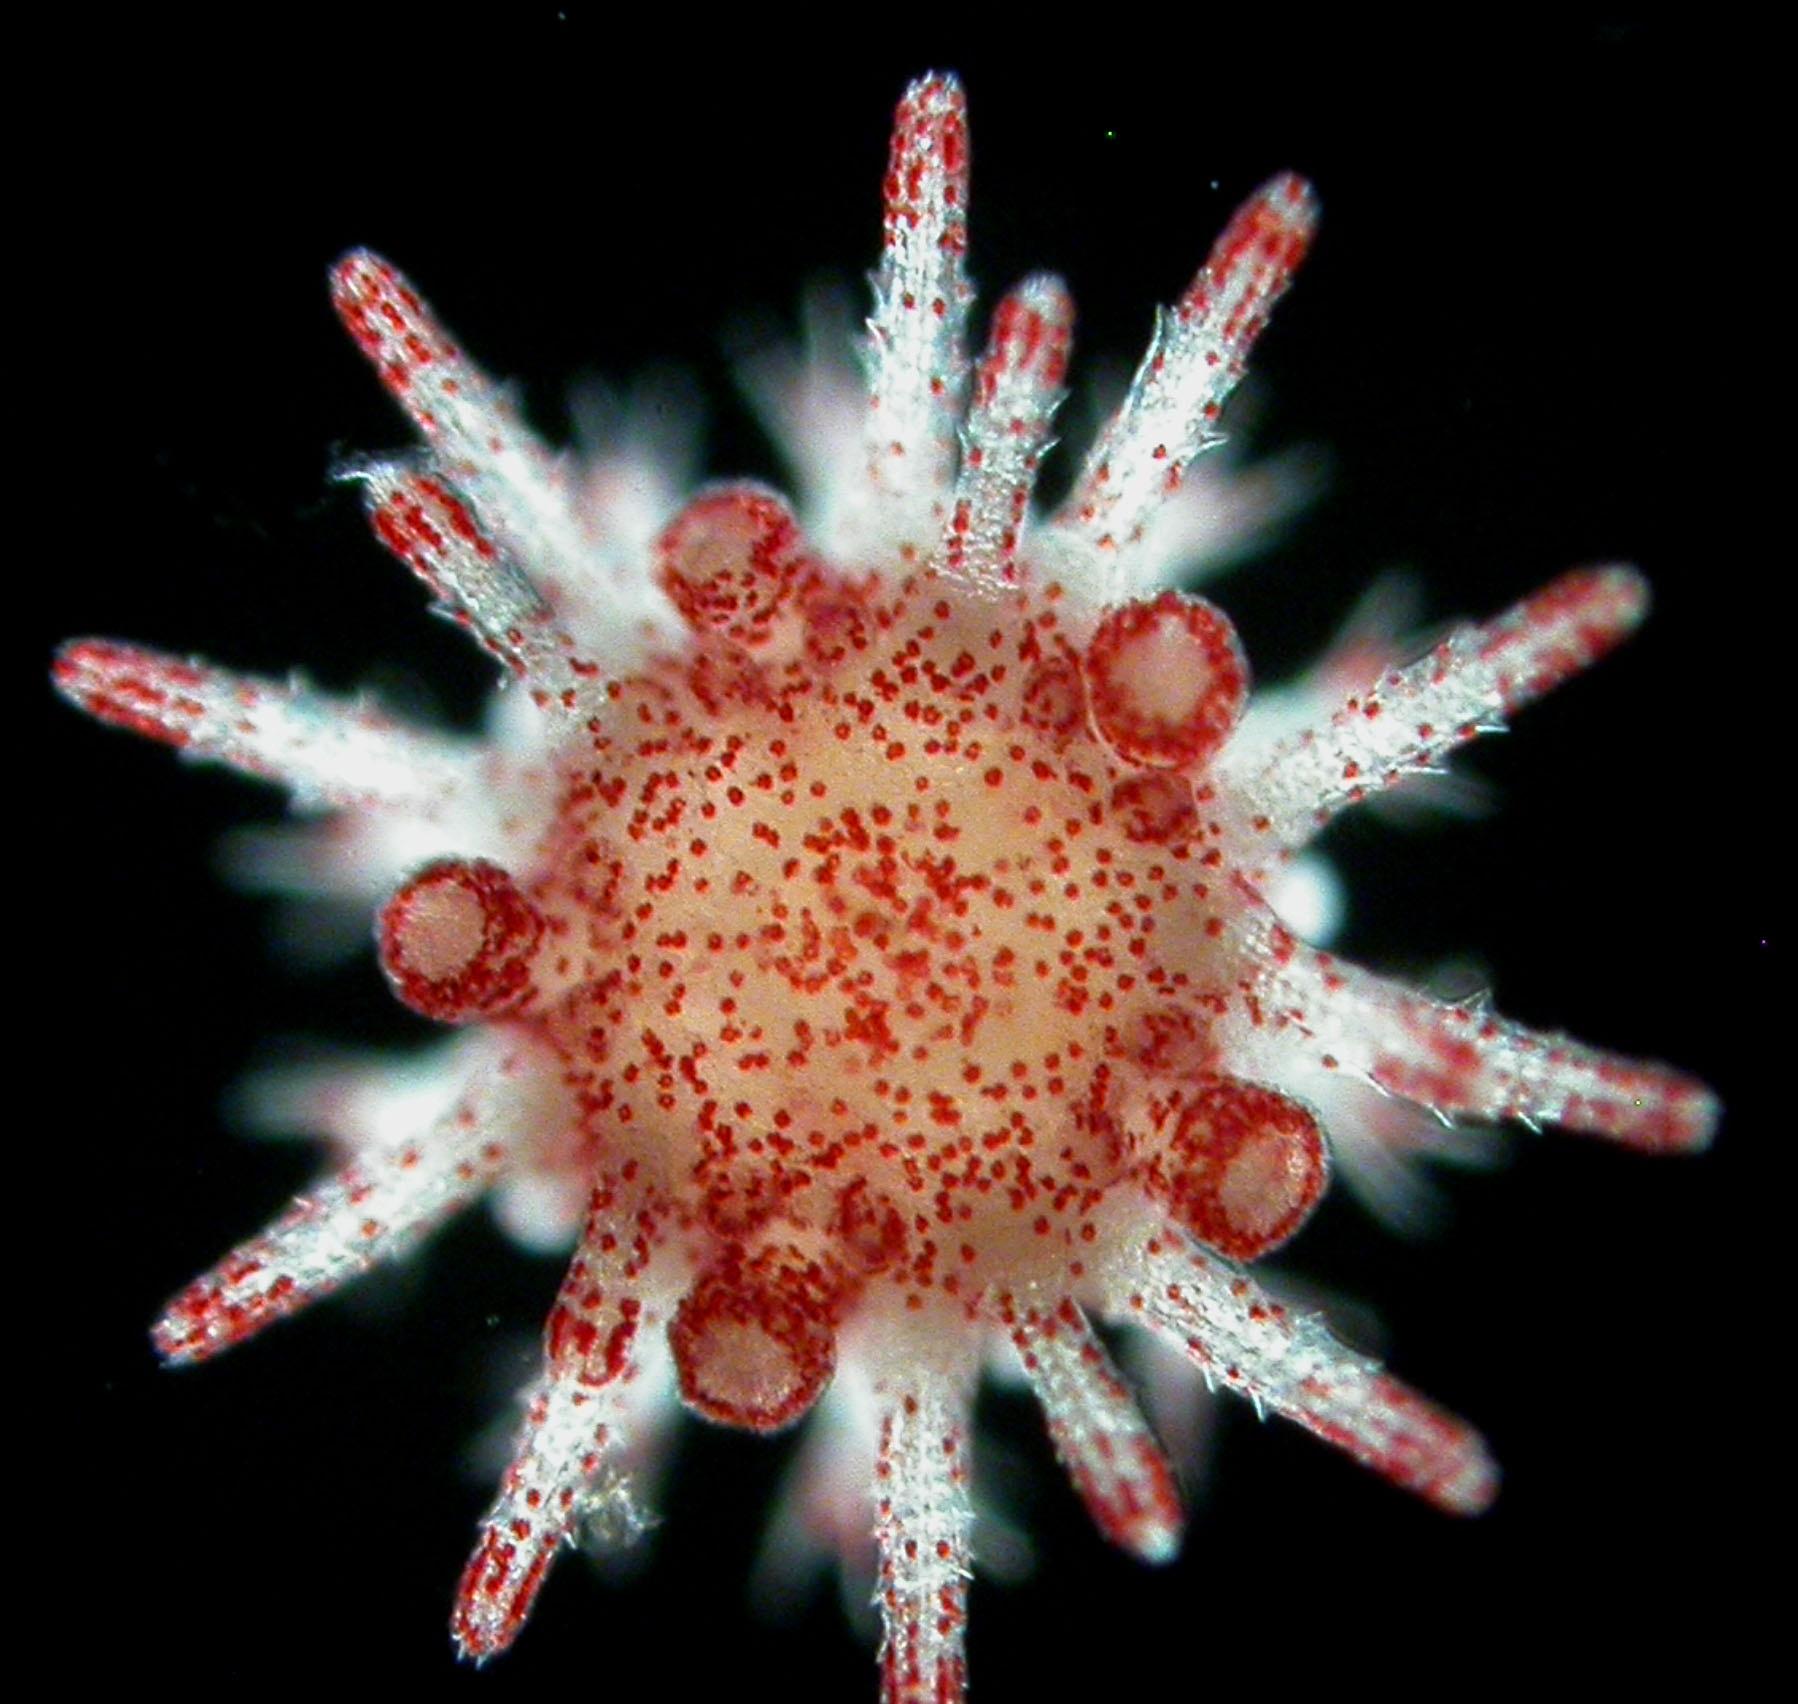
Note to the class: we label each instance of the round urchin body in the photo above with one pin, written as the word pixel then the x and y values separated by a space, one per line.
pixel 860 919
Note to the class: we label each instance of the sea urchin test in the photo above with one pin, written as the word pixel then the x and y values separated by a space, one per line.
pixel 858 922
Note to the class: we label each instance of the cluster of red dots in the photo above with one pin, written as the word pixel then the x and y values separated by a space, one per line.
pixel 864 925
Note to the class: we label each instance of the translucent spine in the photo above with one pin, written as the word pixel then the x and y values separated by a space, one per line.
pixel 1099 1433
pixel 917 335
pixel 571 1425
pixel 1016 389
pixel 418 517
pixel 328 752
pixel 922 1519
pixel 1194 361
pixel 478 440
pixel 375 1209
pixel 1239 1336
pixel 1406 720
pixel 514 492
pixel 431 530
pixel 1458 1059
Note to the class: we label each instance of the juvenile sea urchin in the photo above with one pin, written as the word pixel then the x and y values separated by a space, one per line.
pixel 861 928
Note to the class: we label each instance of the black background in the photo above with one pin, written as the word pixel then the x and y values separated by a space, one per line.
pixel 1516 339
